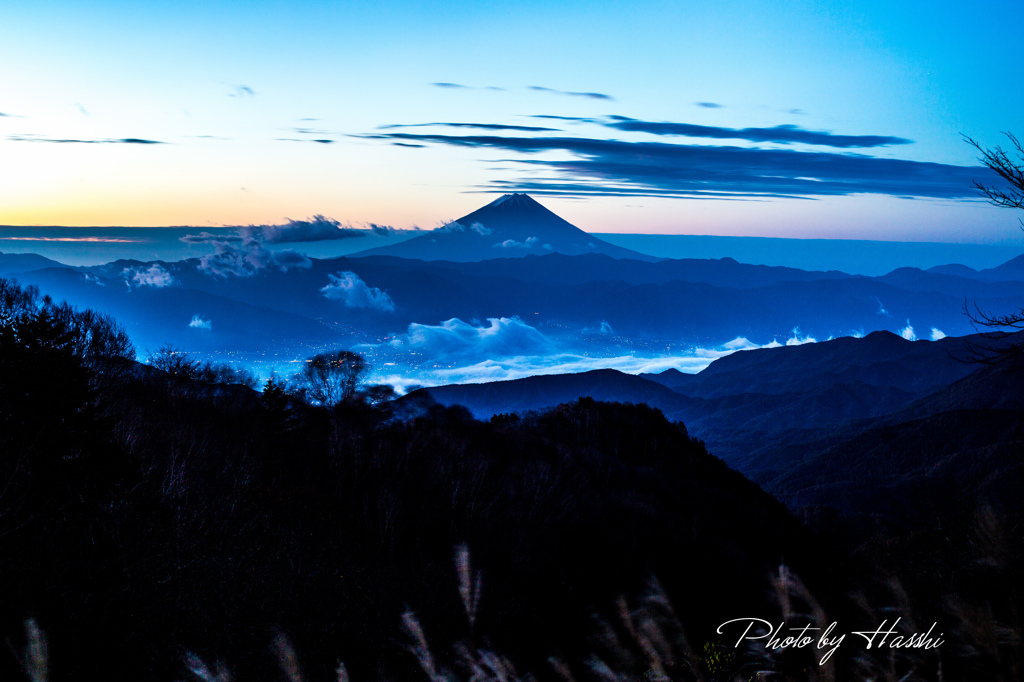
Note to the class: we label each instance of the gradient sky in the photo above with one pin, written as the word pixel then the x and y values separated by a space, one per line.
pixel 809 119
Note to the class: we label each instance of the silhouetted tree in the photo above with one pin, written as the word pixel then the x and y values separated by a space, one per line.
pixel 175 362
pixel 277 416
pixel 183 365
pixel 329 379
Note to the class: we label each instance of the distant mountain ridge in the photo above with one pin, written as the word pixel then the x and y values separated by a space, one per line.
pixel 880 359
pixel 512 226
pixel 701 302
pixel 13 263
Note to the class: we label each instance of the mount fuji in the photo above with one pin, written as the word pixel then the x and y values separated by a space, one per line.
pixel 512 226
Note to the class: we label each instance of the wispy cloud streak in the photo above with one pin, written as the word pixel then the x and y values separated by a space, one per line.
pixel 97 240
pixel 480 126
pixel 588 95
pixel 123 140
pixel 459 86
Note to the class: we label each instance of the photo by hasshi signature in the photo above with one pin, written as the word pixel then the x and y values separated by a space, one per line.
pixel 885 636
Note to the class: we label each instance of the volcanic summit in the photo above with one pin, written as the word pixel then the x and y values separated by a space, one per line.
pixel 512 226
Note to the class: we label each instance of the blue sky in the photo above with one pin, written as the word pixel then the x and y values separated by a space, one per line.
pixel 811 119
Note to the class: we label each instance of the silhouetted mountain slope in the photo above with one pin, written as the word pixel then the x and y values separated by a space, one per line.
pixel 955 270
pixel 959 446
pixel 13 263
pixel 880 359
pixel 511 226
pixel 761 411
pixel 987 387
pixel 909 470
pixel 1011 270
pixel 540 392
pixel 913 279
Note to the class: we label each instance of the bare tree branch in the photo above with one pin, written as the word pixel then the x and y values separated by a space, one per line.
pixel 999 160
pixel 998 331
pixel 993 347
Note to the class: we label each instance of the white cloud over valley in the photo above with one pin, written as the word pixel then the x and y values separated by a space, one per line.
pixel 348 288
pixel 506 348
pixel 155 276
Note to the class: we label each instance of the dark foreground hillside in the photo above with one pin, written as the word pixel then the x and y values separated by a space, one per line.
pixel 146 516
pixel 152 526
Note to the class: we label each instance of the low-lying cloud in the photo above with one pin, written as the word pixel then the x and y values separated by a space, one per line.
pixel 316 229
pixel 513 244
pixel 507 348
pixel 384 230
pixel 198 322
pixel 458 341
pixel 155 276
pixel 242 252
pixel 348 288
pixel 797 340
pixel 236 256
pixel 603 329
pixel 455 226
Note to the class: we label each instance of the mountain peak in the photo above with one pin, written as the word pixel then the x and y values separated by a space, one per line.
pixel 515 200
pixel 512 226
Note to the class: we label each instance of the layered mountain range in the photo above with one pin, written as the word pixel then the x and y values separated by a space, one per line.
pixel 683 303
pixel 879 425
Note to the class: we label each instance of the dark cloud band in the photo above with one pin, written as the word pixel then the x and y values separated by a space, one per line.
pixel 680 170
pixel 784 134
